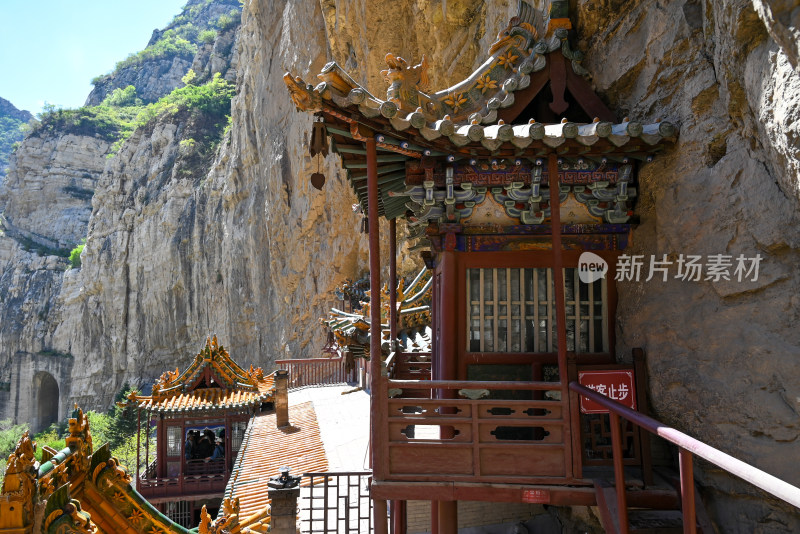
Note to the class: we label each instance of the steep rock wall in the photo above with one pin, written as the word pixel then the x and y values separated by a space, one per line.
pixel 722 356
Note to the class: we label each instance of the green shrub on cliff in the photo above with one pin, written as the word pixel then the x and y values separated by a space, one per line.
pixel 10 135
pixel 169 46
pixel 212 98
pixel 75 255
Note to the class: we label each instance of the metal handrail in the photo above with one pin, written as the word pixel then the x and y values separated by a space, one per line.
pixel 688 446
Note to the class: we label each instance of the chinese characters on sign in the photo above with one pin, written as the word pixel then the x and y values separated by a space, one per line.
pixel 690 267
pixel 539 496
pixel 616 385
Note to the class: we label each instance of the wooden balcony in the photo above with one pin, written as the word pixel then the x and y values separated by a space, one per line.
pixel 484 440
pixel 198 479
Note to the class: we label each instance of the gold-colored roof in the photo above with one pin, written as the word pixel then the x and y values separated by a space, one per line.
pixel 212 381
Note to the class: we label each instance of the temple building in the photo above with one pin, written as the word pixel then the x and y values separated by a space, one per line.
pixel 199 418
pixel 498 396
pixel 503 182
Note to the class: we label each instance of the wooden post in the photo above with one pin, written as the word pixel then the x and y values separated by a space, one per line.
pixel 640 374
pixel 147 444
pixel 687 491
pixel 378 399
pixel 619 472
pixel 138 452
pixel 393 283
pixel 448 517
pixel 434 517
pixel 575 417
pixel 398 517
pixel 379 505
pixel 561 327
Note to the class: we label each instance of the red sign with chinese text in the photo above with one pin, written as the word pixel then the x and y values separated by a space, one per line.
pixel 616 385
pixel 538 496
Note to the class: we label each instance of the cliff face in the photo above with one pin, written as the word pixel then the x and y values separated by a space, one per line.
pixel 241 245
pixel 46 202
pixel 721 355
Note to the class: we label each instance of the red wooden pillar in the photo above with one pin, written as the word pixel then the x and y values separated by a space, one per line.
pixel 147 445
pixel 138 435
pixel 448 361
pixel 393 282
pixel 398 514
pixel 434 517
pixel 448 517
pixel 378 399
pixel 561 327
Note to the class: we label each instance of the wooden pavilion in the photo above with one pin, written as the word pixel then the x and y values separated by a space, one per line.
pixel 213 396
pixel 503 180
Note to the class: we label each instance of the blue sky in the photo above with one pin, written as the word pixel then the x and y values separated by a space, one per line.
pixel 51 49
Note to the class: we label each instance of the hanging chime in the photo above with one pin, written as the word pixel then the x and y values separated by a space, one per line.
pixel 318 146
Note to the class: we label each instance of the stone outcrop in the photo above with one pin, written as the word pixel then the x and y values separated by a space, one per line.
pixel 47 196
pixel 243 246
pixel 7 109
pixel 11 119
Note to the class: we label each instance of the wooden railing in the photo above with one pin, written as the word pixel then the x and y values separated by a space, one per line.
pixel 687 446
pixel 200 484
pixel 484 440
pixel 409 366
pixel 318 371
pixel 338 502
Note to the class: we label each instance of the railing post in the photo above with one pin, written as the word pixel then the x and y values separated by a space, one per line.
pixel 619 473
pixel 687 491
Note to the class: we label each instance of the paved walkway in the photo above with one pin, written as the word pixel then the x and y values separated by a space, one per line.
pixel 343 420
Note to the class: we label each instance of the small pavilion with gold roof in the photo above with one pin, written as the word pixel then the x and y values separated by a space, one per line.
pixel 213 399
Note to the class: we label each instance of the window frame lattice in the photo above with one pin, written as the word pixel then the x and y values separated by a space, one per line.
pixel 174 440
pixel 514 311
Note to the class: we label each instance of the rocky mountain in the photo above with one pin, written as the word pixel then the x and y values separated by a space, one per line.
pixel 47 199
pixel 236 241
pixel 11 122
pixel 201 37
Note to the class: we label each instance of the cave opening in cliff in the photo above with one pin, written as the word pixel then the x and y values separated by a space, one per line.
pixel 46 402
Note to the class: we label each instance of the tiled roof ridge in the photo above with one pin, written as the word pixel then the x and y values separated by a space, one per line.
pixel 239 388
pixel 467 111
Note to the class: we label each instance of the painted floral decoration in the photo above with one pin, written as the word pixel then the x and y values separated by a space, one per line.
pixel 455 101
pixel 485 82
pixel 507 60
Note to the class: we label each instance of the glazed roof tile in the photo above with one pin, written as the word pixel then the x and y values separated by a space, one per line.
pixel 473 122
pixel 213 381
pixel 266 448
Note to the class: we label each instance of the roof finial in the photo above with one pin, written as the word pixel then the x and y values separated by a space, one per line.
pixel 559 16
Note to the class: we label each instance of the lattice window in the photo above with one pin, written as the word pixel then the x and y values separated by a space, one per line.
pixel 173 441
pixel 513 310
pixel 237 434
pixel 180 512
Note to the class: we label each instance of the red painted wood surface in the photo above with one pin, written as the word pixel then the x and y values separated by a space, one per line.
pixel 318 371
pixel 616 384
pixel 688 446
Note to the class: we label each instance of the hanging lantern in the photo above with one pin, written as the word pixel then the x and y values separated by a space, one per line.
pixel 318 146
pixel 319 138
